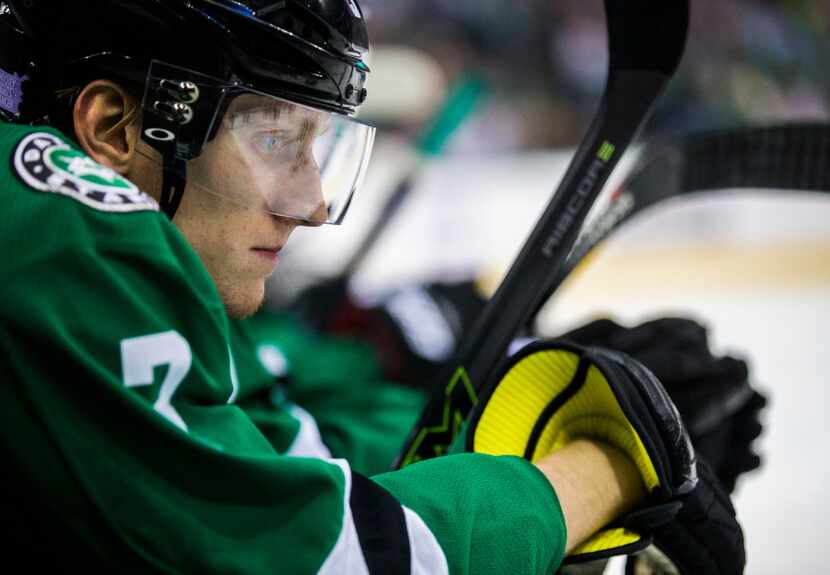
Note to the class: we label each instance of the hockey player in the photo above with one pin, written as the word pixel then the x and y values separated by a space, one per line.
pixel 123 443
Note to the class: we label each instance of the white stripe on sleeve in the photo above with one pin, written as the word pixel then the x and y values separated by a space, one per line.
pixel 346 557
pixel 427 556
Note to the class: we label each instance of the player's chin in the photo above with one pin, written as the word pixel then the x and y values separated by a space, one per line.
pixel 244 300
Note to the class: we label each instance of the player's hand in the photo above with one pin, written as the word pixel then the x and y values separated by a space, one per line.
pixel 552 392
pixel 720 408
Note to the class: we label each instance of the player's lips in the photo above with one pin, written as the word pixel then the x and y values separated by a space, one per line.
pixel 271 253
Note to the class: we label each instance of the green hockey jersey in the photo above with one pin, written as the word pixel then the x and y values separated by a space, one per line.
pixel 143 431
pixel 333 388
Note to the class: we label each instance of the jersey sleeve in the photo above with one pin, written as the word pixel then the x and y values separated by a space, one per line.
pixel 491 514
pixel 119 425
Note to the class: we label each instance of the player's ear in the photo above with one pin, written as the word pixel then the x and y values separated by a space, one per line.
pixel 106 124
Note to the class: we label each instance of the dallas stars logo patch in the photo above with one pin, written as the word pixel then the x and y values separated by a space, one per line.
pixel 44 162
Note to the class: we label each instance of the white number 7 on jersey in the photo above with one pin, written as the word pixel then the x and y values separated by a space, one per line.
pixel 139 355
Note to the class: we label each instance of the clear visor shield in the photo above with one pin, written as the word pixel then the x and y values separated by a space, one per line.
pixel 283 158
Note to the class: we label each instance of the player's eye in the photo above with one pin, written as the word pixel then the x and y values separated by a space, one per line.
pixel 270 143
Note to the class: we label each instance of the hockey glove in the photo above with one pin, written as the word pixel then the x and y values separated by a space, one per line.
pixel 703 538
pixel 720 408
pixel 552 392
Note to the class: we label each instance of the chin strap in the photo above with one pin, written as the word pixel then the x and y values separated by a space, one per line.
pixel 173 184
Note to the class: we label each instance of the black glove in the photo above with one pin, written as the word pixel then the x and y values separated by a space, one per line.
pixel 713 394
pixel 414 329
pixel 552 392
pixel 702 538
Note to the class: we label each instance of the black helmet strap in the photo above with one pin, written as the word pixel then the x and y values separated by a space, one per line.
pixel 174 180
pixel 168 105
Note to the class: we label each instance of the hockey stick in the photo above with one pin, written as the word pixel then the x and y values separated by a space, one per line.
pixel 642 58
pixel 785 157
pixel 792 156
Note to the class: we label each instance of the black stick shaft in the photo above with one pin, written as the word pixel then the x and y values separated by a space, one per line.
pixel 625 105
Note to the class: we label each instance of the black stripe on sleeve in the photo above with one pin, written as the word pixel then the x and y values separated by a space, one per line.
pixel 381 527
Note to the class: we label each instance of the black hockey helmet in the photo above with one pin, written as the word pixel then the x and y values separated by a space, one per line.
pixel 298 65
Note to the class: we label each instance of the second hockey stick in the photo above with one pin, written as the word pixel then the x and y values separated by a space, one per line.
pixel 791 156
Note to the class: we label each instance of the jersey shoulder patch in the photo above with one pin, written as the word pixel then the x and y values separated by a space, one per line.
pixel 46 163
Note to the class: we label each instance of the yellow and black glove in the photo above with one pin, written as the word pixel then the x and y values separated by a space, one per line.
pixel 553 392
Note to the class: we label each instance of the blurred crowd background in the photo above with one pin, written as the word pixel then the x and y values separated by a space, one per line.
pixel 543 66
pixel 544 62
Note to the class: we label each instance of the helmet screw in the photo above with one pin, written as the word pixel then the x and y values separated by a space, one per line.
pixel 362 96
pixel 175 112
pixel 186 92
pixel 349 91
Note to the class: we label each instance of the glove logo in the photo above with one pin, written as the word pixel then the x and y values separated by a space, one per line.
pixel 47 164
pixel 459 397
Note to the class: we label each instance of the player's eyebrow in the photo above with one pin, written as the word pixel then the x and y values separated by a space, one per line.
pixel 260 105
pixel 241 114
